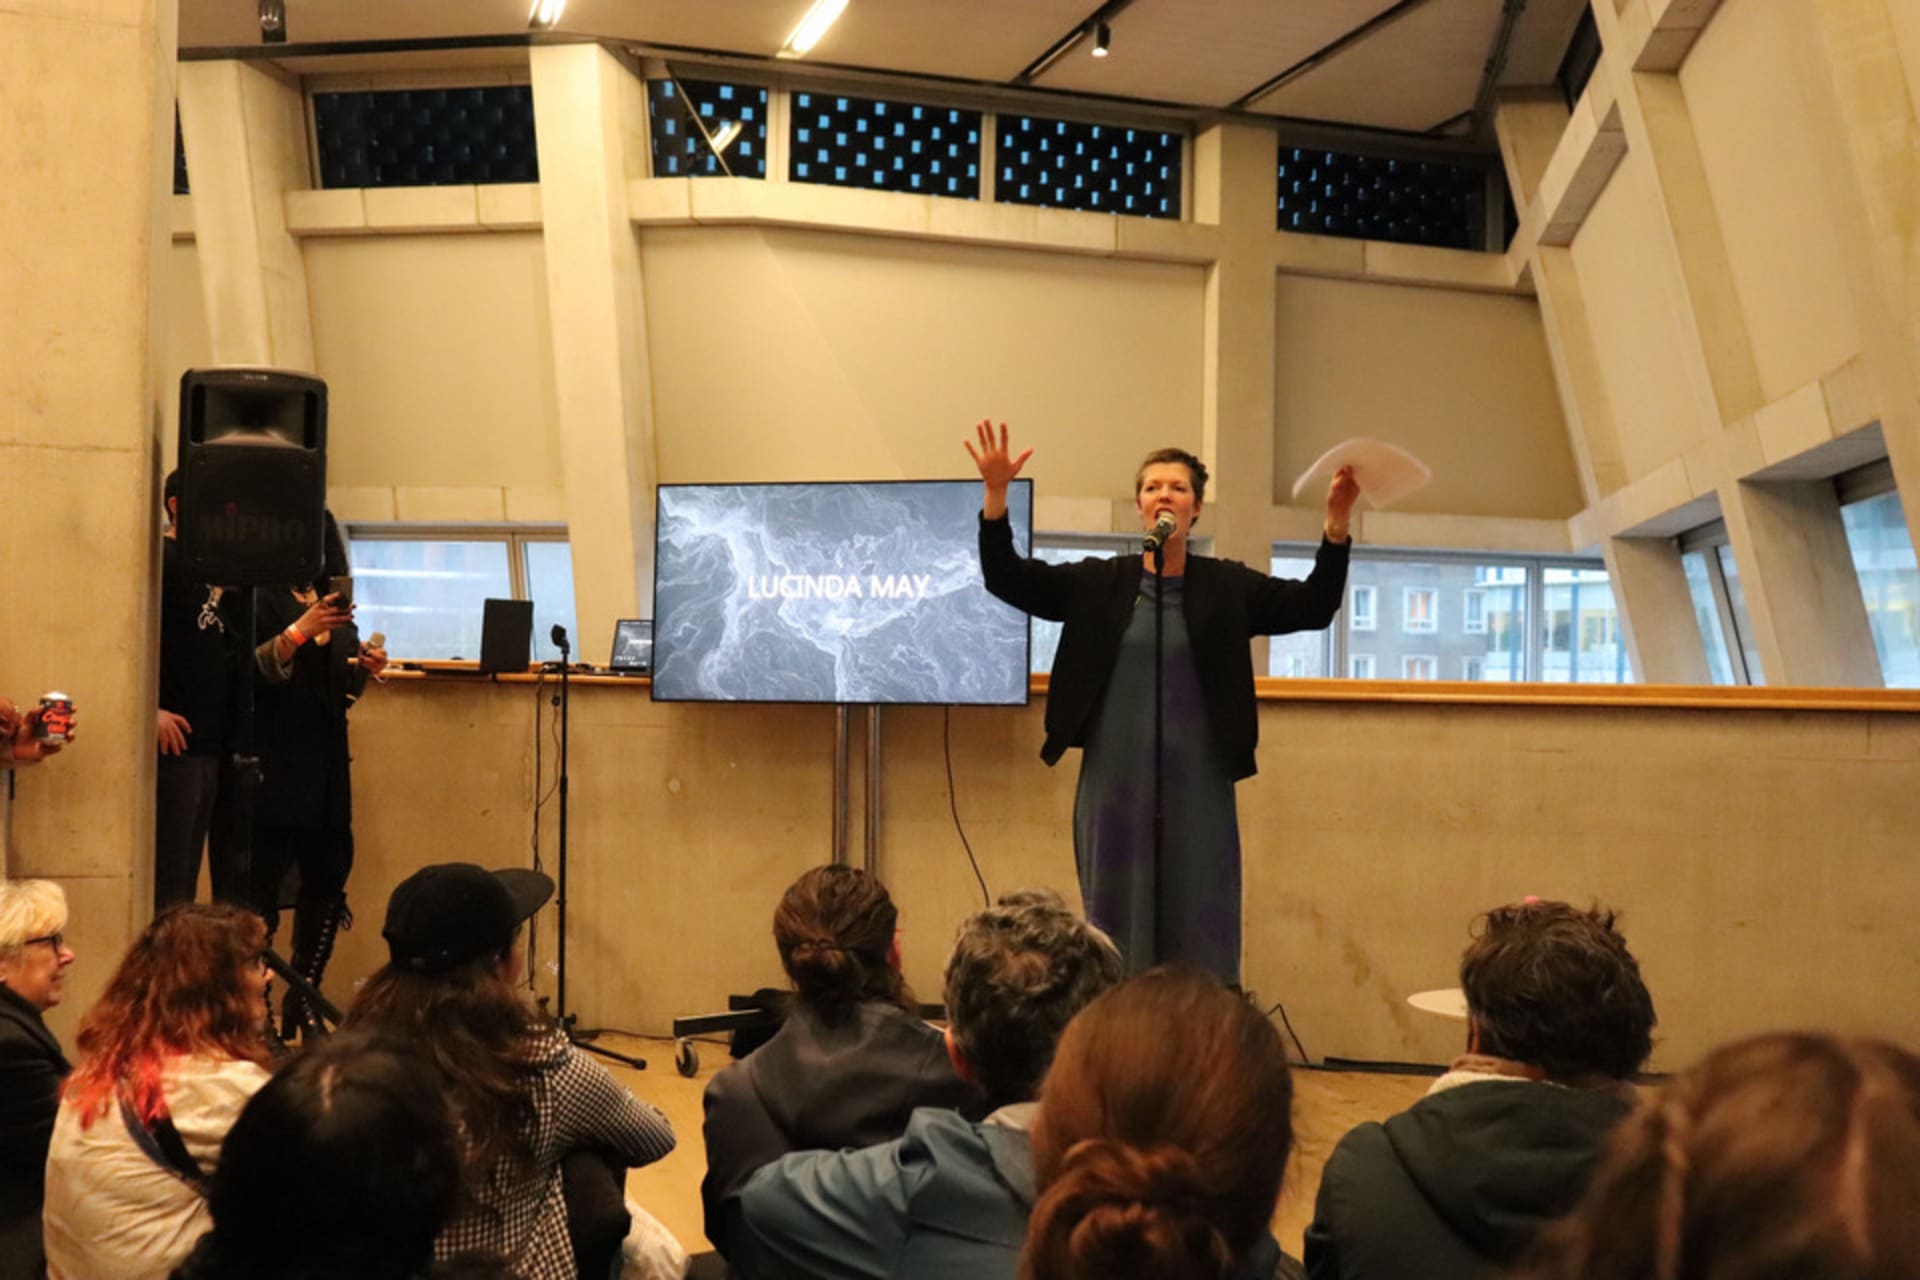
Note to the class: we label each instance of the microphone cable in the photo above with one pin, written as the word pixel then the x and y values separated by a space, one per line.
pixel 953 803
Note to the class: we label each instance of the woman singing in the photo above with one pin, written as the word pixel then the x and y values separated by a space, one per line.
pixel 1182 903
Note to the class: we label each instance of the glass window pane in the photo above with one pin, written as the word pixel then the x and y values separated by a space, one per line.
pixel 1046 635
pixel 1706 615
pixel 1741 623
pixel 427 595
pixel 1889 584
pixel 1300 654
pixel 1582 641
pixel 1433 620
pixel 549 572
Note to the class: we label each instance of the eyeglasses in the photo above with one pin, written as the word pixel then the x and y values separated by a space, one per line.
pixel 57 940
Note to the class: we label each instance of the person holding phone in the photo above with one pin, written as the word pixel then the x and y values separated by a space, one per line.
pixel 312 666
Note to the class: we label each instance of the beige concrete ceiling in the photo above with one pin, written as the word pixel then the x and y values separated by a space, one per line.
pixel 1416 64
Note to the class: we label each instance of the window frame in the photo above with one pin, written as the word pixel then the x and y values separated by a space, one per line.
pixel 1353 659
pixel 1431 620
pixel 515 535
pixel 1353 606
pixel 1408 659
pixel 1707 539
pixel 1467 596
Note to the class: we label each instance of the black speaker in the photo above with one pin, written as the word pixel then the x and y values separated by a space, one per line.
pixel 253 475
pixel 506 635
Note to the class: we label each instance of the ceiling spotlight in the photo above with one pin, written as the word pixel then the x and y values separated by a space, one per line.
pixel 273 21
pixel 545 14
pixel 724 136
pixel 1101 38
pixel 821 16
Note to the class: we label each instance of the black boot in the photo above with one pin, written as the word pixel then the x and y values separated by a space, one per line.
pixel 316 923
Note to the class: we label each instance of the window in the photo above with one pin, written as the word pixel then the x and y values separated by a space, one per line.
pixel 1720 606
pixel 1060 548
pixel 1360 599
pixel 1500 635
pixel 1383 197
pixel 684 147
pixel 1104 168
pixel 425 588
pixel 1474 611
pixel 1420 611
pixel 1883 560
pixel 844 141
pixel 426 137
pixel 1419 666
pixel 181 186
pixel 1300 654
pixel 1360 666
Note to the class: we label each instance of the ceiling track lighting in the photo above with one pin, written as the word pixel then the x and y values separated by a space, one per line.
pixel 273 21
pixel 545 14
pixel 1102 37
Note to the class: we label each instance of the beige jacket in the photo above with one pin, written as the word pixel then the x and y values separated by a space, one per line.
pixel 111 1212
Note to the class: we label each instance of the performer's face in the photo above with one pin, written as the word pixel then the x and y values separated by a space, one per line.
pixel 1167 486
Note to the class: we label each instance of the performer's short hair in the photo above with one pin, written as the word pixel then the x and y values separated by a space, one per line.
pixel 1196 468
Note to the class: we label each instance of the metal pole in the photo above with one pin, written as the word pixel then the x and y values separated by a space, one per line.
pixel 872 833
pixel 840 785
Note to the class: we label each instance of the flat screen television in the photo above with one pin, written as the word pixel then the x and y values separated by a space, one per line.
pixel 853 592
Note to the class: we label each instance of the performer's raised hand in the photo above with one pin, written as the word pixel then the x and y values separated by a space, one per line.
pixel 1342 492
pixel 997 467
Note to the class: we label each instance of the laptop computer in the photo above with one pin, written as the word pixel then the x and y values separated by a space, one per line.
pixel 632 647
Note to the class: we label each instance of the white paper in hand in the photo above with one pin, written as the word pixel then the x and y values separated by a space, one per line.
pixel 1385 473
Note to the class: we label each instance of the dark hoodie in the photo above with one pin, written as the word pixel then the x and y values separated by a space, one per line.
pixel 815 1087
pixel 1456 1186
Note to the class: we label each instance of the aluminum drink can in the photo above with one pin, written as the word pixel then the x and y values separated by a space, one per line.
pixel 55 723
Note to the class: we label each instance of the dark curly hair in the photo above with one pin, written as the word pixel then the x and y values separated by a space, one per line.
pixel 1019 972
pixel 1555 987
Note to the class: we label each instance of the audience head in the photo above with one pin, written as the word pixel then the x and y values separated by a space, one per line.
pixel 835 928
pixel 1783 1157
pixel 1163 1132
pixel 1019 972
pixel 448 987
pixel 193 982
pixel 34 954
pixel 345 1165
pixel 1555 987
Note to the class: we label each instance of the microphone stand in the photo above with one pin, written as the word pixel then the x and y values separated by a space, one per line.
pixel 1159 552
pixel 582 1039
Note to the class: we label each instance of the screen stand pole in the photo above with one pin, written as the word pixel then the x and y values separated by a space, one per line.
pixel 841 785
pixel 580 1038
pixel 872 833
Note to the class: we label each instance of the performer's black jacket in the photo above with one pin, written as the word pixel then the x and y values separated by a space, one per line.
pixel 1223 601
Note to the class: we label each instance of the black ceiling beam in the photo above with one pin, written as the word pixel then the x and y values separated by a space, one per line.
pixel 1392 13
pixel 1105 13
pixel 1511 11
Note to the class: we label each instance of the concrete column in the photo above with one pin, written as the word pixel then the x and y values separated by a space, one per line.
pixel 87 93
pixel 246 140
pixel 1529 123
pixel 1576 368
pixel 1803 596
pixel 1656 611
pixel 590 112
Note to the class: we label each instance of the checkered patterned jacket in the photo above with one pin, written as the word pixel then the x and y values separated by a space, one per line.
pixel 520 1213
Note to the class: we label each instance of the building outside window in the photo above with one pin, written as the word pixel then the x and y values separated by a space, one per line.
pixel 1473 604
pixel 1420 611
pixel 1360 666
pixel 1419 666
pixel 1360 612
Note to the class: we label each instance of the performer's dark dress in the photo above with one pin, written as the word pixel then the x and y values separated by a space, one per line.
pixel 1100 698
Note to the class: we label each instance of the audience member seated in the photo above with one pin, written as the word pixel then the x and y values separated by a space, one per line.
pixel 948 1200
pixel 167 1058
pixel 524 1100
pixel 1782 1157
pixel 1457 1186
pixel 344 1167
pixel 850 1063
pixel 33 964
pixel 1162 1136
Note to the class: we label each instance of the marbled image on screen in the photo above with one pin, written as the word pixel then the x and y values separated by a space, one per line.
pixel 833 593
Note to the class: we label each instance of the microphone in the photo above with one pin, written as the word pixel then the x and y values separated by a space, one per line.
pixel 559 637
pixel 1161 531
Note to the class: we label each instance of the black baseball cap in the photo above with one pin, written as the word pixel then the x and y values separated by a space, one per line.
pixel 443 916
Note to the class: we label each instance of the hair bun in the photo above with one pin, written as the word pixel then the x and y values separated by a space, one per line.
pixel 1137 1211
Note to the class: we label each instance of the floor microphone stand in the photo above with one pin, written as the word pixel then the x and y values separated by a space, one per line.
pixel 583 1039
pixel 1159 551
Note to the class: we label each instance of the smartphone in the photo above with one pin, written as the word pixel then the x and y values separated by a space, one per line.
pixel 341 586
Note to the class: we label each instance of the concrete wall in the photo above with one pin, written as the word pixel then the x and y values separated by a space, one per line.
pixel 1760 857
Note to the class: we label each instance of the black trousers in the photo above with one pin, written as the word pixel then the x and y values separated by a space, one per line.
pixel 193 810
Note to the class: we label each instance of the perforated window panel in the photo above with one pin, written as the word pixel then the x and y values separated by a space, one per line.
pixel 1337 193
pixel 426 137
pixel 1068 164
pixel 885 146
pixel 680 149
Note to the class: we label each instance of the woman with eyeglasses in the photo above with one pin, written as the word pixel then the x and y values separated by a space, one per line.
pixel 33 963
pixel 167 1058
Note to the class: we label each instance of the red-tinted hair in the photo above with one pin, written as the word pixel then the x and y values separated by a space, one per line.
pixel 1163 1133
pixel 180 989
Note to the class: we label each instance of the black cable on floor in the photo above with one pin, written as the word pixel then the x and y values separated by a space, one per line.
pixel 1287 1022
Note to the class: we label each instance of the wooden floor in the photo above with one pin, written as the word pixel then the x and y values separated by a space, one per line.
pixel 1326 1105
